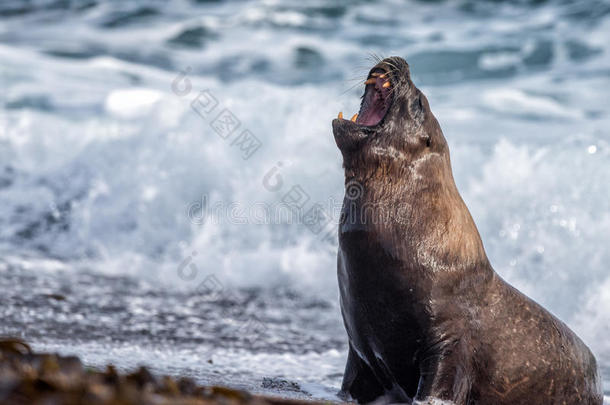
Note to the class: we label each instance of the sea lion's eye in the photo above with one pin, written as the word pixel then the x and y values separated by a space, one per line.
pixel 428 142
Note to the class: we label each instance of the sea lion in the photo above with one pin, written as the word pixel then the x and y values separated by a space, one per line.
pixel 426 315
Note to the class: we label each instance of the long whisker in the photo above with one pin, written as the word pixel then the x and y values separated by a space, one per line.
pixel 375 58
pixel 351 87
pixel 392 65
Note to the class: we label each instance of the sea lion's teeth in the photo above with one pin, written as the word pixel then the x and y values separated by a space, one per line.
pixel 371 81
pixel 386 85
pixel 340 115
pixel 354 117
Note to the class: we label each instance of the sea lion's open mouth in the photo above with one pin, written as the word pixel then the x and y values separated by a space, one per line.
pixel 376 99
pixel 374 109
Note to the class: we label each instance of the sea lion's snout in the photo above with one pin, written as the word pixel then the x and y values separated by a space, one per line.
pixel 376 102
pixel 376 99
pixel 348 134
pixel 386 85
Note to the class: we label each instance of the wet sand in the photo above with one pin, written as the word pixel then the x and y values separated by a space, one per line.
pixel 27 377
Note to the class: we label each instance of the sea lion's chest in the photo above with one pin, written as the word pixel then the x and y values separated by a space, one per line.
pixel 381 300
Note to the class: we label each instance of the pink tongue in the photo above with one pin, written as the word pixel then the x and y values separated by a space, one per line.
pixel 371 117
pixel 376 106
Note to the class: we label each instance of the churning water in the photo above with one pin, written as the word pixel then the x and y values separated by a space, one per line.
pixel 148 151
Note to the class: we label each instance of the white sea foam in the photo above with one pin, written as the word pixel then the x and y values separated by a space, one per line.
pixel 131 103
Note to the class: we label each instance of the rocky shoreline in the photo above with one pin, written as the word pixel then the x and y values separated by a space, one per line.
pixel 46 378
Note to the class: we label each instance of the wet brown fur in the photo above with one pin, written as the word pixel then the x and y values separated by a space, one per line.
pixel 426 314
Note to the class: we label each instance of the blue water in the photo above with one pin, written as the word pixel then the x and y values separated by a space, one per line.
pixel 122 191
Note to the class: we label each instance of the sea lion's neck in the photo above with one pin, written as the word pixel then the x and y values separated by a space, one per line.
pixel 416 212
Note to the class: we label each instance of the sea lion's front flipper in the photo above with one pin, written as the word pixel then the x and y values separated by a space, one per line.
pixel 445 373
pixel 359 383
